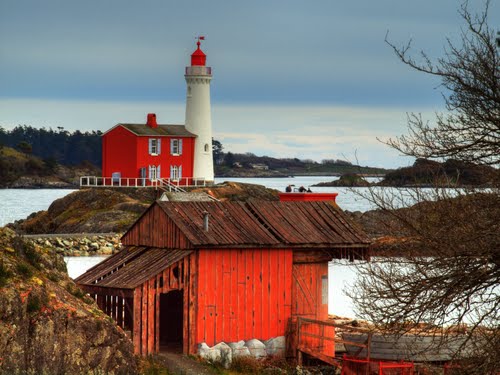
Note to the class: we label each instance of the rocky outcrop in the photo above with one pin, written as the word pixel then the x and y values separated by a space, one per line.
pixel 89 211
pixel 100 210
pixel 47 324
pixel 349 180
pixel 236 191
pixel 78 245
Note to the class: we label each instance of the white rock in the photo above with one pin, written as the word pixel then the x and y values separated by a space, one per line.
pixel 239 349
pixel 209 354
pixel 276 346
pixel 226 354
pixel 256 347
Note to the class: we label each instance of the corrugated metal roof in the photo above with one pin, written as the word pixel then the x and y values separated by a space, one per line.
pixel 130 267
pixel 161 130
pixel 264 223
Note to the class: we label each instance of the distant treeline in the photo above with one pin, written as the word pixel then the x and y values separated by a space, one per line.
pixel 62 146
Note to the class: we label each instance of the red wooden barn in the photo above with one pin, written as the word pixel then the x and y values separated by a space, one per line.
pixel 194 272
pixel 147 152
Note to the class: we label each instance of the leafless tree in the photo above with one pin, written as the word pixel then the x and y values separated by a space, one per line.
pixel 437 269
pixel 470 75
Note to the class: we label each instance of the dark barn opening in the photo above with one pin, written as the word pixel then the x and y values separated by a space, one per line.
pixel 171 315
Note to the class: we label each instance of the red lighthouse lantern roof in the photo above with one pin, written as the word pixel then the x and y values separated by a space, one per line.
pixel 198 58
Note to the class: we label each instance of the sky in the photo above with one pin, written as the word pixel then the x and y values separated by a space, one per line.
pixel 308 79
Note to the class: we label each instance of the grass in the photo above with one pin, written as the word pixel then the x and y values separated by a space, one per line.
pixel 149 366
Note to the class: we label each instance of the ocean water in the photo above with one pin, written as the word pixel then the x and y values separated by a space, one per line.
pixel 17 204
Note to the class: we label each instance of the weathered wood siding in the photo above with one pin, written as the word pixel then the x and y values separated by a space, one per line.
pixel 310 300
pixel 146 332
pixel 156 229
pixel 243 294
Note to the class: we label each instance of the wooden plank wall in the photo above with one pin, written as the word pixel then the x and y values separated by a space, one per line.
pixel 155 229
pixel 117 306
pixel 309 301
pixel 243 294
pixel 146 332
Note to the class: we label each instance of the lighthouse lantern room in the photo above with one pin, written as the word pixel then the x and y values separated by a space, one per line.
pixel 154 154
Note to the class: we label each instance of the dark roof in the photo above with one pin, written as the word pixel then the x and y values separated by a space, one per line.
pixel 161 130
pixel 131 267
pixel 263 223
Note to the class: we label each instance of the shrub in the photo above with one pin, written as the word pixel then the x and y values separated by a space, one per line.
pixel 24 270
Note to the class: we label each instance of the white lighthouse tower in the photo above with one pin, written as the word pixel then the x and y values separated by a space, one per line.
pixel 198 116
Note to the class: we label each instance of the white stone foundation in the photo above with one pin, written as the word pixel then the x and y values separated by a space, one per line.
pixel 224 353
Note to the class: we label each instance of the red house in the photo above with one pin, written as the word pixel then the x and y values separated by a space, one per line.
pixel 153 154
pixel 211 272
pixel 140 153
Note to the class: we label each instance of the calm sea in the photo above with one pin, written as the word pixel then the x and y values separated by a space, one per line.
pixel 17 204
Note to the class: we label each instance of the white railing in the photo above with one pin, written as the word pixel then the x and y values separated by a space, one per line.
pixel 125 182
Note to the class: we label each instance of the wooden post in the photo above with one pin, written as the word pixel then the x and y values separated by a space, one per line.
pixel 144 318
pixel 119 311
pixel 185 310
pixel 136 322
pixel 151 316
pixel 157 315
pixel 193 307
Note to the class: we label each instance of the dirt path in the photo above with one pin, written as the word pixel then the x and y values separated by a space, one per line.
pixel 180 364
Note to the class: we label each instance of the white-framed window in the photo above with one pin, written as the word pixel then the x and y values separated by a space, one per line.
pixel 154 146
pixel 154 172
pixel 175 172
pixel 176 146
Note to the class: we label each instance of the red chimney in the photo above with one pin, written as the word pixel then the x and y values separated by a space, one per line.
pixel 152 120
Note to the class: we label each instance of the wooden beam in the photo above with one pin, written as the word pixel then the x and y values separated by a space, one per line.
pixel 151 316
pixel 144 318
pixel 137 320
pixel 193 306
pixel 103 291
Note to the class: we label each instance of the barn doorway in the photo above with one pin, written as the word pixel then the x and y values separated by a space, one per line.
pixel 171 321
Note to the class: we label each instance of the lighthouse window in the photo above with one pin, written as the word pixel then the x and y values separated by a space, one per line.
pixel 206 147
pixel 176 146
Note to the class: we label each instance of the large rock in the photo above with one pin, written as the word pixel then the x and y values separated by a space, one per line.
pixel 47 324
pixel 257 348
pixel 239 349
pixel 276 346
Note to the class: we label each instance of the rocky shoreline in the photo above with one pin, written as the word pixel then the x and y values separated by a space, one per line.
pixel 78 244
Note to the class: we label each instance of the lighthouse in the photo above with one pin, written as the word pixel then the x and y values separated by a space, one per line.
pixel 198 114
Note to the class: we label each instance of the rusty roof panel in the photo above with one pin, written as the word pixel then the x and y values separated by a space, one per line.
pixel 308 223
pixel 230 223
pixel 131 267
pixel 264 223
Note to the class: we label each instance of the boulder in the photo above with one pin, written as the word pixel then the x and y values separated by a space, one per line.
pixel 257 348
pixel 226 354
pixel 276 346
pixel 208 353
pixel 239 349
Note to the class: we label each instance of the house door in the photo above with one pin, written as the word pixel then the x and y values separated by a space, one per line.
pixel 115 178
pixel 171 320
